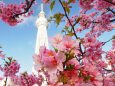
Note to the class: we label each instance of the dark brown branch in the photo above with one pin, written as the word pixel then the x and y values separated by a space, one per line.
pixel 68 19
pixel 108 70
pixel 82 53
pixel 103 80
pixel 27 2
pixel 29 5
pixel 113 20
pixel 71 26
pixel 111 10
pixel 53 20
pixel 109 1
pixel 107 41
pixel 5 82
pixel 76 21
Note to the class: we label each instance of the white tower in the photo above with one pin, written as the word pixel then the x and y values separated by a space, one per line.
pixel 42 38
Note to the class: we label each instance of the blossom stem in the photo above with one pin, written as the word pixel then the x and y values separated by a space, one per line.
pixel 109 9
pixel 5 82
pixel 68 19
pixel 109 2
pixel 107 41
pixel 29 5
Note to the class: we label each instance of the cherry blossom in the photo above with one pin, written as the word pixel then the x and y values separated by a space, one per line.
pixel 86 4
pixel 73 60
pixel 51 61
pixel 11 69
pixel 25 79
pixel 2 55
pixel 45 1
pixel 101 4
pixel 8 13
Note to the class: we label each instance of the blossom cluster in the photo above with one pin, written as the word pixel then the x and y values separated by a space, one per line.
pixel 8 13
pixel 64 66
pixel 10 68
pixel 72 61
pixel 25 79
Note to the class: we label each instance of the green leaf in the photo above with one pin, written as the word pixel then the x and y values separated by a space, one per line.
pixel 69 1
pixel 52 5
pixel 70 34
pixel 78 19
pixel 56 50
pixel 65 4
pixel 63 31
pixel 58 18
pixel 67 10
pixel 70 67
pixel 66 28
pixel 113 37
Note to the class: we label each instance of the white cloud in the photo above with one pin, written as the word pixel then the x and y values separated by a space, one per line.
pixel 28 20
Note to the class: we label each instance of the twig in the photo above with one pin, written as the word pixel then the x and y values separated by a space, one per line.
pixel 71 26
pixel 29 5
pixel 107 41
pixel 5 84
pixel 111 10
pixel 112 20
pixel 68 19
pixel 109 2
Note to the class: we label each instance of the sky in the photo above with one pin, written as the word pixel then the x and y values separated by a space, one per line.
pixel 19 41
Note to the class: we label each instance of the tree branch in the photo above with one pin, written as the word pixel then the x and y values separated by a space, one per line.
pixel 5 82
pixel 109 2
pixel 107 41
pixel 68 19
pixel 112 20
pixel 71 26
pixel 111 10
pixel 29 5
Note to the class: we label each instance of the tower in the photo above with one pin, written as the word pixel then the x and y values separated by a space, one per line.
pixel 42 38
pixel 42 24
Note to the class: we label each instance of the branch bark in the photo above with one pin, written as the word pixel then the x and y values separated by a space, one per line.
pixel 71 26
pixel 29 5
pixel 5 82
pixel 109 1
pixel 68 18
pixel 109 9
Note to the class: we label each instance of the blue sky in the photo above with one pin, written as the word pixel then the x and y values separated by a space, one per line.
pixel 19 41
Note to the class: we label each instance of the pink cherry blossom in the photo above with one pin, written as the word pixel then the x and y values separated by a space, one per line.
pixel 86 4
pixel 113 43
pixel 51 61
pixel 76 60
pixel 9 11
pixel 104 22
pixel 27 80
pixel 1 78
pixel 56 41
pixel 2 55
pixel 46 1
pixel 10 69
pixel 85 22
pixel 101 4
pixel 64 43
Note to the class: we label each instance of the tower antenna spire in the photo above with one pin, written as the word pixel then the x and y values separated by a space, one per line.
pixel 42 7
